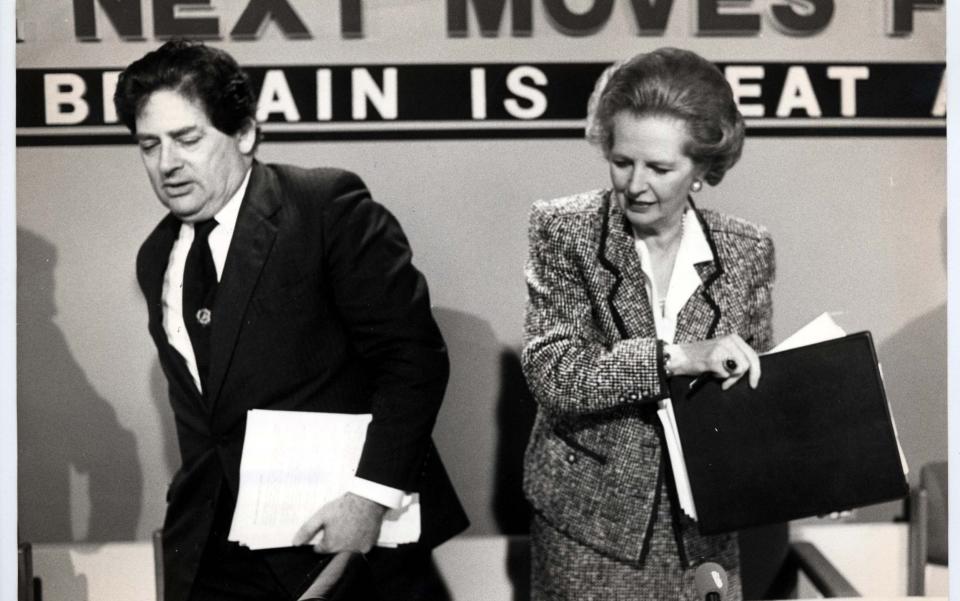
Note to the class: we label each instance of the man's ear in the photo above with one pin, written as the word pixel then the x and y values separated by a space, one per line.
pixel 247 137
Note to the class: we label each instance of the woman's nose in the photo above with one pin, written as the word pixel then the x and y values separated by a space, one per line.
pixel 638 182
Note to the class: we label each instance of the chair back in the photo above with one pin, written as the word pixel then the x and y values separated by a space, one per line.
pixel 928 525
pixel 158 562
pixel 933 479
pixel 25 584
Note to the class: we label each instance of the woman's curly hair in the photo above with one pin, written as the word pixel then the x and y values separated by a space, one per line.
pixel 675 83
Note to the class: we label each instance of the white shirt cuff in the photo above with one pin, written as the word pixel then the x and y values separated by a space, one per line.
pixel 378 493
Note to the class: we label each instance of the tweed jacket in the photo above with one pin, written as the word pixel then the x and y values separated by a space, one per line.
pixel 319 309
pixel 596 463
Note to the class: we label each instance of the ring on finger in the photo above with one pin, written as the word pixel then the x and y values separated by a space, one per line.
pixel 730 364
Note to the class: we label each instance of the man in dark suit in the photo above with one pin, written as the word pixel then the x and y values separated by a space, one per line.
pixel 274 287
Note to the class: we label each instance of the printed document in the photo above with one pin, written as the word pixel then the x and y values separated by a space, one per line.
pixel 293 463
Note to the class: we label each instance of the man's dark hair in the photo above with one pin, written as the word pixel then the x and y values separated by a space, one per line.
pixel 203 74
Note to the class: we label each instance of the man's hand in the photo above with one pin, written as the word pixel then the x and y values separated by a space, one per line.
pixel 349 523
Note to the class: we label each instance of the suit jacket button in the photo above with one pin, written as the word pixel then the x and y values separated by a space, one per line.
pixel 571 458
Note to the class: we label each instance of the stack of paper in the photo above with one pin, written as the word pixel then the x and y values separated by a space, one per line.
pixel 293 463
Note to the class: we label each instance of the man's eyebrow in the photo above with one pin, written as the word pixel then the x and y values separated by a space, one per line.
pixel 183 131
pixel 174 134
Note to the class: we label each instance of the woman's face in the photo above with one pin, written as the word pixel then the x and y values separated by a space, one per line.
pixel 650 171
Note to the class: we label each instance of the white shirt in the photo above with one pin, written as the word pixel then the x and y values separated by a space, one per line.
pixel 684 281
pixel 219 242
pixel 176 329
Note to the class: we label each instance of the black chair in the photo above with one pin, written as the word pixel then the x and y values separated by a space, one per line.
pixel 928 525
pixel 158 562
pixel 28 585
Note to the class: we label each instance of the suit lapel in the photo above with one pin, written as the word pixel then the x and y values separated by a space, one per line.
pixel 690 322
pixel 626 296
pixel 156 257
pixel 252 240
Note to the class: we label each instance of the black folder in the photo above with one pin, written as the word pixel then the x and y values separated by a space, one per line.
pixel 814 437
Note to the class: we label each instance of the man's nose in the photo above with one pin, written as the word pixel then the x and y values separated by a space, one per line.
pixel 170 159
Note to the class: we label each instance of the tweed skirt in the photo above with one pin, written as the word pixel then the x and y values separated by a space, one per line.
pixel 564 569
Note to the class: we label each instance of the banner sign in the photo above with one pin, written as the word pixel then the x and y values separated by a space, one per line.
pixel 298 20
pixel 500 100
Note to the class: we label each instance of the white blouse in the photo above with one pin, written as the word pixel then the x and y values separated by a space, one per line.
pixel 684 280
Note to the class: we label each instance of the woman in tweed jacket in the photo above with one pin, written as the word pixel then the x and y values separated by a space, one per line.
pixel 627 287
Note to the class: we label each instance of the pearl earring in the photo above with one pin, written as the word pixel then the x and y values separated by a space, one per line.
pixel 696 185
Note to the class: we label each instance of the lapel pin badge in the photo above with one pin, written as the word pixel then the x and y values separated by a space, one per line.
pixel 204 316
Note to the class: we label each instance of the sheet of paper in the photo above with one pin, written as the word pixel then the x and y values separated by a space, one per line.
pixel 295 461
pixel 822 328
pixel 677 463
pixel 893 422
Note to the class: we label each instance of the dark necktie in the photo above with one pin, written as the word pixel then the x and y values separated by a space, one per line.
pixel 199 291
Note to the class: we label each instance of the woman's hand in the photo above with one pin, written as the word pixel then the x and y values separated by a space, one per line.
pixel 727 358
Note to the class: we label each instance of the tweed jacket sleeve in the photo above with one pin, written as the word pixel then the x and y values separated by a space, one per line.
pixel 573 359
pixel 760 300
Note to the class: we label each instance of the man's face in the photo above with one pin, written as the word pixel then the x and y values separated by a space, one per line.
pixel 194 167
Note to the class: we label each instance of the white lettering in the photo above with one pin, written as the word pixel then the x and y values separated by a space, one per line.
pixel 365 88
pixel 735 76
pixel 478 93
pixel 798 94
pixel 63 99
pixel 324 95
pixel 848 77
pixel 275 97
pixel 940 103
pixel 517 86
pixel 109 86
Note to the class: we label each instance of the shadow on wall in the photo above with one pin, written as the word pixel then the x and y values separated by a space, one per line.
pixel 464 429
pixel 914 362
pixel 482 433
pixel 65 581
pixel 70 444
